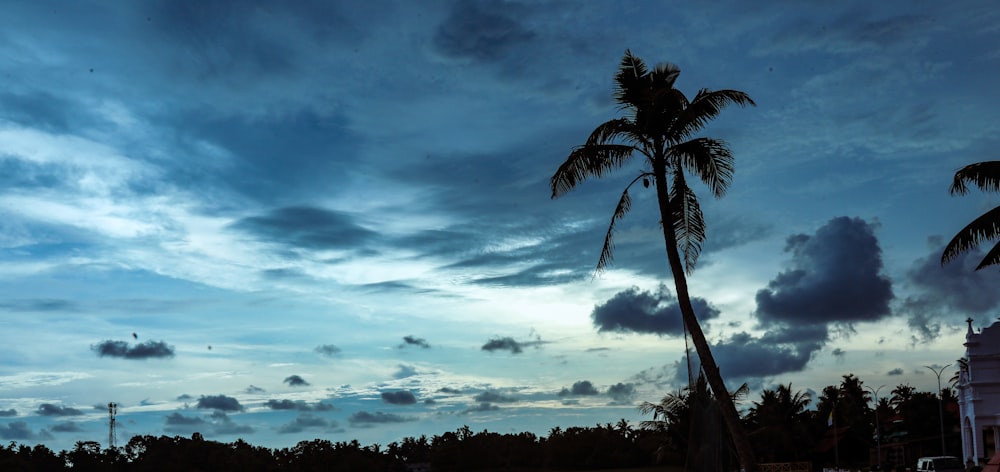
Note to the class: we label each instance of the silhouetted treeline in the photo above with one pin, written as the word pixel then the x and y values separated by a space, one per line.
pixel 573 448
pixel 848 425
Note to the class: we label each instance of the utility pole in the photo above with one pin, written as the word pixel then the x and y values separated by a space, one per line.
pixel 878 430
pixel 940 403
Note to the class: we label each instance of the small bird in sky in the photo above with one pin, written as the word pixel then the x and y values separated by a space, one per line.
pixel 135 336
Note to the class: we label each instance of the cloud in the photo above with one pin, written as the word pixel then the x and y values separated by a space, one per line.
pixel 745 358
pixel 399 397
pixel 328 350
pixel 482 31
pixel 838 352
pixel 482 407
pixel 178 419
pixel 8 413
pixel 48 409
pixel 254 389
pixel 622 392
pixel 307 228
pixel 219 402
pixel 449 390
pixel 834 276
pixel 298 405
pixel 404 371
pixel 366 418
pixel 295 381
pixel 414 341
pixel 305 422
pixel 635 311
pixel 16 430
pixel 947 294
pixel 222 424
pixel 896 371
pixel 509 344
pixel 583 387
pixel 66 427
pixel 492 396
pixel 144 350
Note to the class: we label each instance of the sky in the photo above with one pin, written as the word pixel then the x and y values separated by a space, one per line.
pixel 282 221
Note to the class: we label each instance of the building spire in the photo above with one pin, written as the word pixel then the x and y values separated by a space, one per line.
pixel 969 332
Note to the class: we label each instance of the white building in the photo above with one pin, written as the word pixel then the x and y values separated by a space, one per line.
pixel 979 393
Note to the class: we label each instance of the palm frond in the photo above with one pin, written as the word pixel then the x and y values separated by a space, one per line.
pixel 588 161
pixel 664 75
pixel 709 159
pixel 985 175
pixel 631 80
pixel 623 207
pixel 607 251
pixel 617 131
pixel 689 223
pixel 704 107
pixel 984 228
pixel 991 258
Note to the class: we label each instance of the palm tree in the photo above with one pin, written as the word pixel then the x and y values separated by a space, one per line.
pixel 779 423
pixel 986 176
pixel 659 124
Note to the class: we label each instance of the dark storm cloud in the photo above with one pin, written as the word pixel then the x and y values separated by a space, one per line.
pixel 638 311
pixel 48 409
pixel 178 419
pixel 295 381
pixel 308 228
pixel 896 371
pixel 16 430
pixel 622 392
pixel 414 341
pixel 944 295
pixel 742 356
pixel 399 397
pixel 482 31
pixel 834 276
pixel 366 418
pixel 583 387
pixel 66 427
pixel 219 402
pixel 8 413
pixel 144 350
pixel 328 350
pixel 493 396
pixel 508 343
pixel 482 407
pixel 305 422
pixel 297 405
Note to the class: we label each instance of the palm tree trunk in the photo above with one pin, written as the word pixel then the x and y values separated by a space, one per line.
pixel 728 408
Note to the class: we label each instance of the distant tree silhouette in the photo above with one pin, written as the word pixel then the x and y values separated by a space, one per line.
pixel 660 124
pixel 777 425
pixel 986 176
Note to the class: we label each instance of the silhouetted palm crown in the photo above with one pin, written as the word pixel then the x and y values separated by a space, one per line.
pixel 659 124
pixel 986 176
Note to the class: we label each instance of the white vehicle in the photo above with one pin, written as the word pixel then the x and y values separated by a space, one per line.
pixel 940 464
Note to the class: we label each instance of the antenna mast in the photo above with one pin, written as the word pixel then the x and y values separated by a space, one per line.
pixel 112 411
